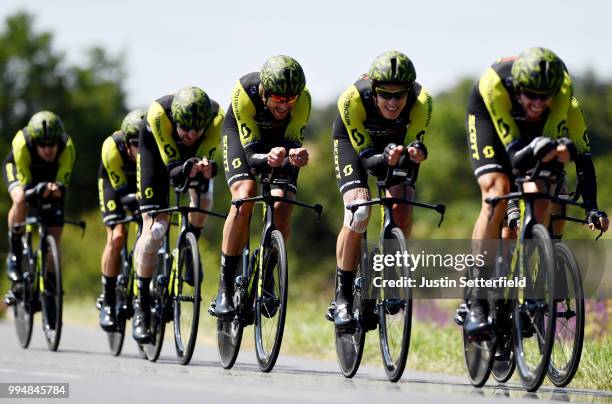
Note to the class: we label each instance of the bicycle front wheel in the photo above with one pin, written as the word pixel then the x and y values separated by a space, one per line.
pixel 271 303
pixel 229 332
pixel 569 329
pixel 23 292
pixel 394 312
pixel 51 295
pixel 187 299
pixel 534 310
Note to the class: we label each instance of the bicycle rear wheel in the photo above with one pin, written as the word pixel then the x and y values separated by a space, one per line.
pixel 229 333
pixel 394 313
pixel 122 306
pixel 159 309
pixel 535 311
pixel 187 299
pixel 51 295
pixel 271 303
pixel 569 328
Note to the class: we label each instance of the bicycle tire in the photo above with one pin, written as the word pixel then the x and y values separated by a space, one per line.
pixel 122 297
pixel 267 353
pixel 397 308
pixel 229 333
pixel 561 376
pixel 349 346
pixel 187 306
pixel 159 306
pixel 52 295
pixel 535 316
pixel 23 291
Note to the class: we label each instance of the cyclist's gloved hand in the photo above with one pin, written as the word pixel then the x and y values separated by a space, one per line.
pixel 571 148
pixel 597 219
pixel 420 146
pixel 392 154
pixel 541 146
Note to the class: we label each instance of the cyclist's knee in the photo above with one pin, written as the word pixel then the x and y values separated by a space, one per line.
pixel 18 196
pixel 117 239
pixel 356 221
pixel 491 185
pixel 149 242
pixel 243 189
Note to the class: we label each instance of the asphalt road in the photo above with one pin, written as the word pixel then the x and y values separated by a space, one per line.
pixel 95 376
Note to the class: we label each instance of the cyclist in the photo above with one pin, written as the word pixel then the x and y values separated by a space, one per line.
pixel 178 141
pixel 263 128
pixel 37 168
pixel 382 116
pixel 116 180
pixel 521 111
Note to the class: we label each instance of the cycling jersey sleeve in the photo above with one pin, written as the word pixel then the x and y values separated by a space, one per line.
pixel 212 136
pixel 113 164
pixel 498 103
pixel 244 112
pixel 162 129
pixel 559 107
pixel 353 114
pixel 294 134
pixel 23 159
pixel 585 170
pixel 420 117
pixel 66 163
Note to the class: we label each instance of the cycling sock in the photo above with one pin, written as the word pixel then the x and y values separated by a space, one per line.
pixel 144 295
pixel 197 231
pixel 109 283
pixel 344 289
pixel 228 272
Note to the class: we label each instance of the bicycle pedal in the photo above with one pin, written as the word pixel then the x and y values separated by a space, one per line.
pixel 461 314
pixel 211 308
pixel 329 315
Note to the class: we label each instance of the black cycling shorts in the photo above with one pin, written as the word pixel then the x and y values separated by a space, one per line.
pixel 486 150
pixel 152 174
pixel 9 173
pixel 110 199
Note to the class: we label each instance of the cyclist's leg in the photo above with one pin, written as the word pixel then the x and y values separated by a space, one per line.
pixel 542 207
pixel 492 169
pixel 17 214
pixel 198 220
pixel 402 214
pixel 282 211
pixel 153 186
pixel 558 226
pixel 236 228
pixel 353 184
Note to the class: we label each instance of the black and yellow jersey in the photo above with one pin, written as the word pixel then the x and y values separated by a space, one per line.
pixel 120 168
pixel 496 100
pixel 173 152
pixel 564 117
pixel 257 126
pixel 369 131
pixel 30 169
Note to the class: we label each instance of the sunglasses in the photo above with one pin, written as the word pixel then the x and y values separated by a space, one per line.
pixel 390 94
pixel 189 129
pixel 536 96
pixel 280 99
pixel 46 145
pixel 133 142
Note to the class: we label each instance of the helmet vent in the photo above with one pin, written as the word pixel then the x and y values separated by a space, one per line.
pixel 287 74
pixel 393 67
pixel 44 125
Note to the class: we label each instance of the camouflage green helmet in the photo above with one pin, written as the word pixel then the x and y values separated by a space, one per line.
pixel 191 108
pixel 392 67
pixel 45 127
pixel 538 70
pixel 131 123
pixel 282 75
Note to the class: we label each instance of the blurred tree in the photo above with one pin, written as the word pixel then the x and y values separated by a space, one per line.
pixel 90 99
